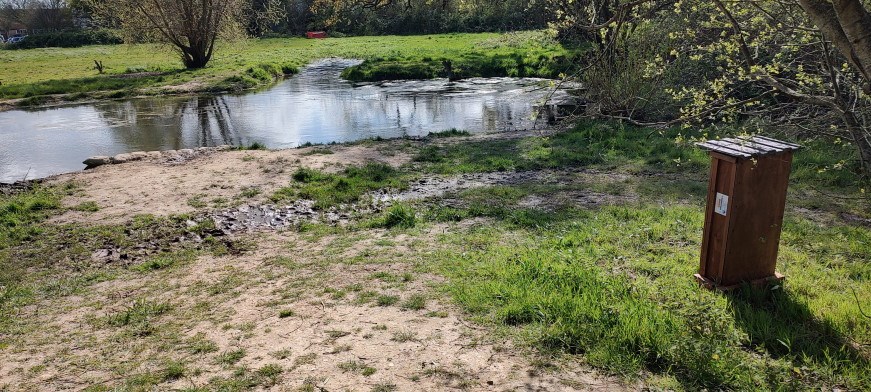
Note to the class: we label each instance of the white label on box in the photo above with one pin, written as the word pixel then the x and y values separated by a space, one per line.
pixel 722 204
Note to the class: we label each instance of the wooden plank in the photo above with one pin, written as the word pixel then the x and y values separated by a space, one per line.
pixel 709 211
pixel 736 147
pixel 781 144
pixel 765 149
pixel 714 236
pixel 723 150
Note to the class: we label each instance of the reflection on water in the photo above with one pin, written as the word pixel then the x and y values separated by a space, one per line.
pixel 315 106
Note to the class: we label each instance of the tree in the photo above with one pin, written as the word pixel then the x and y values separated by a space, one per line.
pixel 798 65
pixel 191 27
pixel 803 64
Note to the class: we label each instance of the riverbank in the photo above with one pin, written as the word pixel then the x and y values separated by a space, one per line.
pixel 37 77
pixel 559 260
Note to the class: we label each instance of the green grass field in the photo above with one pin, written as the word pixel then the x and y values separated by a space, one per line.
pixel 149 69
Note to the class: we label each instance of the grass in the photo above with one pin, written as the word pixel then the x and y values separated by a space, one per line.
pixel 32 74
pixel 530 54
pixel 348 186
pixel 231 357
pixel 357 367
pixel 415 302
pixel 404 336
pixel 386 300
pixel 615 284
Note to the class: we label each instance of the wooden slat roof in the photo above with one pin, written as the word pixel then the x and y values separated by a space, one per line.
pixel 748 147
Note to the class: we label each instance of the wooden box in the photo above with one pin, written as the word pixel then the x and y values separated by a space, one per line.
pixel 743 218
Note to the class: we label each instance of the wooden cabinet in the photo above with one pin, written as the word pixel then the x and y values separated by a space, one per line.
pixel 744 214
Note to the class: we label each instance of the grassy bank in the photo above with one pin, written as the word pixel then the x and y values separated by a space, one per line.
pixel 613 284
pixel 35 74
pixel 590 263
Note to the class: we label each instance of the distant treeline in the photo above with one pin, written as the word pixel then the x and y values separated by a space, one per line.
pixel 368 17
pixel 68 39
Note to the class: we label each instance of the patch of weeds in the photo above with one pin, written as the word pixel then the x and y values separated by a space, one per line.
pixel 166 260
pixel 335 294
pixel 456 378
pixel 283 261
pixel 384 387
pixel 142 381
pixel 281 354
pixel 269 375
pixel 415 302
pixel 226 284
pixel 285 313
pixel 219 201
pixel 199 344
pixel 380 327
pixel 386 300
pixel 438 314
pixel 404 336
pixel 197 201
pixel 327 189
pixel 383 276
pixel 364 297
pixel 231 357
pixel 340 349
pixel 398 215
pixel 88 206
pixel 335 334
pixel 357 367
pixel 173 370
pixel 250 192
pixel 310 384
pixel 306 359
pixel 20 212
pixel 139 316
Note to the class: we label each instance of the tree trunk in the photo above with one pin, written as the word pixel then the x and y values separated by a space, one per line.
pixel 862 138
pixel 197 55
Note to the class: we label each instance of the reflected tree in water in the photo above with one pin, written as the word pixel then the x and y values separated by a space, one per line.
pixel 171 124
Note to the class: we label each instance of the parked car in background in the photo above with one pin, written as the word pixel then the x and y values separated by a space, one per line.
pixel 2 39
pixel 15 40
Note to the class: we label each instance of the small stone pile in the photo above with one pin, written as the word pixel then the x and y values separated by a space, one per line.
pixel 168 156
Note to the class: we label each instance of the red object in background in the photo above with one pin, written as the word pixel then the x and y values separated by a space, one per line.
pixel 316 34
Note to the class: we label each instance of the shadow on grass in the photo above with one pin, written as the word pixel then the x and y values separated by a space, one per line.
pixel 784 326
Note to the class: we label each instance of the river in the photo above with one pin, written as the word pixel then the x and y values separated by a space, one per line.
pixel 315 106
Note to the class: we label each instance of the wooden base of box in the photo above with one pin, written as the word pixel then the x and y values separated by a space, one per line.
pixel 711 285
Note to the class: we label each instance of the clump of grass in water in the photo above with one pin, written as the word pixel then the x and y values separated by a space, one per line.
pixel 453 132
pixel 252 146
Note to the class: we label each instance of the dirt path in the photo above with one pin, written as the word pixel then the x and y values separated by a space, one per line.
pixel 299 303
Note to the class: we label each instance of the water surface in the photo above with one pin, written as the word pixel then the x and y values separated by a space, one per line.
pixel 316 106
